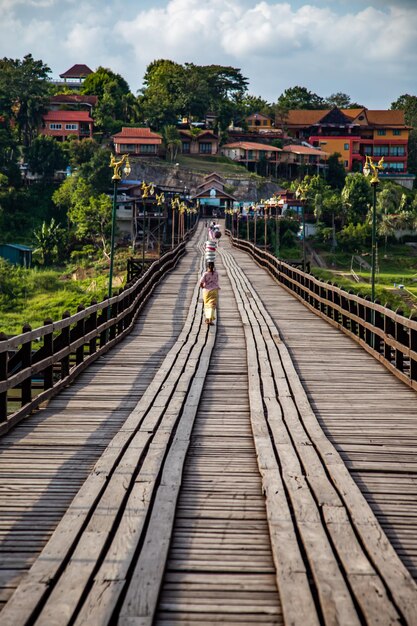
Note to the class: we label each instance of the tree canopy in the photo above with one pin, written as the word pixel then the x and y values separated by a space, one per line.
pixel 172 91
pixel 24 93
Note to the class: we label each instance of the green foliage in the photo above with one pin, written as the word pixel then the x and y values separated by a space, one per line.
pixel 172 140
pixel 336 173
pixel 172 91
pixel 353 237
pixel 45 155
pixel 356 197
pixel 408 103
pixel 300 98
pixel 24 93
pixel 116 104
pixel 49 239
pixel 342 101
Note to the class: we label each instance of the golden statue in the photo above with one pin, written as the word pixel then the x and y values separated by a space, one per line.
pixel 117 166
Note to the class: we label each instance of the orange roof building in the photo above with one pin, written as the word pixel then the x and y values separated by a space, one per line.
pixel 354 134
pixel 137 142
pixel 62 124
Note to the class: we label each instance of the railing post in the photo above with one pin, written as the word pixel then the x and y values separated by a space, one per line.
pixel 26 363
pixel 389 330
pixel 361 316
pixel 79 332
pixel 92 325
pixel 368 319
pixel 65 334
pixel 353 310
pixel 399 336
pixel 413 346
pixel 379 323
pixel 4 357
pixel 48 343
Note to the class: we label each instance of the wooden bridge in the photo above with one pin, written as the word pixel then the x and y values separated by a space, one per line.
pixel 260 471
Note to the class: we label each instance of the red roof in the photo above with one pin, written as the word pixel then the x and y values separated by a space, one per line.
pixel 67 116
pixel 73 98
pixel 136 140
pixel 295 149
pixel 251 145
pixel 77 71
pixel 137 133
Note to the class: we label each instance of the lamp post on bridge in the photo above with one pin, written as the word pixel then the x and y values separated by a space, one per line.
pixel 116 178
pixel 371 168
pixel 300 194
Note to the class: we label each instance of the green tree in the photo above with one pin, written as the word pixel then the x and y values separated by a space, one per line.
pixel 336 173
pixel 172 140
pixel 24 93
pixel 116 104
pixel 300 98
pixel 91 217
pixel 160 98
pixel 48 240
pixel 408 104
pixel 341 101
pixel 45 155
pixel 356 197
pixel 81 151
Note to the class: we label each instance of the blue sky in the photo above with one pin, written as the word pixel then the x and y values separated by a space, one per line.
pixel 365 48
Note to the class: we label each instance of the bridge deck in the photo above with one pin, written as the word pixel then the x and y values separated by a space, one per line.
pixel 221 565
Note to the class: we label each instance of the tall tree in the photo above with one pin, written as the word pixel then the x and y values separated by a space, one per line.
pixel 24 93
pixel 45 155
pixel 341 101
pixel 116 104
pixel 172 140
pixel 336 173
pixel 300 98
pixel 356 197
pixel 408 104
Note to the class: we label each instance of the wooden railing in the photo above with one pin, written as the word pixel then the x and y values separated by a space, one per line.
pixel 38 363
pixel 388 335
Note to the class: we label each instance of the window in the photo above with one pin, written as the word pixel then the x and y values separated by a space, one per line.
pixel 265 122
pixel 71 126
pixel 381 132
pixel 368 150
pixel 395 166
pixel 346 146
pixel 380 150
pixel 396 132
pixel 346 164
pixel 205 148
pixel 147 148
pixel 55 126
pixel 397 151
pixel 124 147
pixel 250 156
pixel 186 147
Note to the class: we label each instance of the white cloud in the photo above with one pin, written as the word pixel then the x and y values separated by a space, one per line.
pixel 325 45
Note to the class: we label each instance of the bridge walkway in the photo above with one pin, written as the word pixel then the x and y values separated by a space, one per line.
pixel 223 564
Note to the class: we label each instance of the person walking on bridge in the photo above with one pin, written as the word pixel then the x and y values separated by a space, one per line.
pixel 209 282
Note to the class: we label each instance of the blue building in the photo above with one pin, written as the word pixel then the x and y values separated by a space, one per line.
pixel 16 254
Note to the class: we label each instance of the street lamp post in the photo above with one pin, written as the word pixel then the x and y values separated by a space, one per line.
pixel 371 168
pixel 300 193
pixel 116 178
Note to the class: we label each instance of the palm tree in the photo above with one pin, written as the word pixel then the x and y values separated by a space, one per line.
pixel 47 238
pixel 172 140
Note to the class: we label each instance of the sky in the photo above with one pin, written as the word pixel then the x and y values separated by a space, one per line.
pixel 364 48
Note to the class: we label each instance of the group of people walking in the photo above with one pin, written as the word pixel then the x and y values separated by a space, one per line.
pixel 209 281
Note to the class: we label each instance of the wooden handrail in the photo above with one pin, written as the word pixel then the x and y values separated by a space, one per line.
pixel 70 344
pixel 388 335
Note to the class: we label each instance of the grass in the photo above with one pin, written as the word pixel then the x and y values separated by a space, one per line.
pixel 221 165
pixel 396 266
pixel 48 293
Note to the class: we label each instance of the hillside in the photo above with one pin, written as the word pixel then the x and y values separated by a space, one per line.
pixel 189 172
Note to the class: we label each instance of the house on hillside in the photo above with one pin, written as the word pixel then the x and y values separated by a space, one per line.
pixel 72 102
pixel 62 124
pixel 250 153
pixel 137 142
pixel 294 156
pixel 355 134
pixel 212 197
pixel 258 122
pixel 203 143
